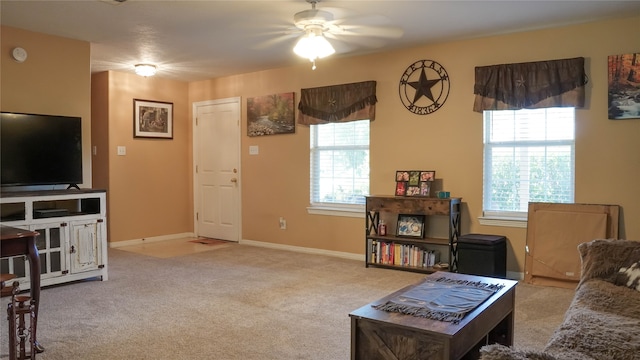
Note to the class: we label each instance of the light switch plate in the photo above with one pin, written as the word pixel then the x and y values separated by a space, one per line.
pixel 253 150
pixel 122 150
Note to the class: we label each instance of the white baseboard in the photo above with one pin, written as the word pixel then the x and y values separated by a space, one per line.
pixel 117 244
pixel 300 249
pixel 514 275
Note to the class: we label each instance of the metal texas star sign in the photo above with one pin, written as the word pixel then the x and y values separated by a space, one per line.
pixel 424 87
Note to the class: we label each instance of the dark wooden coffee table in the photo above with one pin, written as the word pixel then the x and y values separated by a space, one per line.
pixel 383 335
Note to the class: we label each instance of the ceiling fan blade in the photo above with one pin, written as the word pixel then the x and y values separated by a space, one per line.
pixel 389 32
pixel 348 44
pixel 275 40
pixel 274 34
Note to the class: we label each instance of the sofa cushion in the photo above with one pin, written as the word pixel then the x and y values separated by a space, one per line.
pixel 604 258
pixel 501 352
pixel 629 276
pixel 602 323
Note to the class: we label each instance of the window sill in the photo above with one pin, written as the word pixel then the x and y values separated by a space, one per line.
pixel 355 211
pixel 504 222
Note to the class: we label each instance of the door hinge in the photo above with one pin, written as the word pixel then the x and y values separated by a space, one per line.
pixel 196 169
pixel 197 216
pixel 196 121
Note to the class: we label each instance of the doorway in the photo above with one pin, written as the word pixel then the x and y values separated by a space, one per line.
pixel 216 157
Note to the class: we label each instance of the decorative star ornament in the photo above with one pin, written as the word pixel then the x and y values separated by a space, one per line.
pixel 425 91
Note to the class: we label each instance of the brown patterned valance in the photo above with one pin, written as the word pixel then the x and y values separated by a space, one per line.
pixel 532 85
pixel 338 103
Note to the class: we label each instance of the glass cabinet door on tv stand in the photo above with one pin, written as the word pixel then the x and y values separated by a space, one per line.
pixel 413 253
pixel 53 262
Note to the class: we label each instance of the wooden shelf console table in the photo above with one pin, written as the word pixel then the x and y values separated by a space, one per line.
pixel 385 206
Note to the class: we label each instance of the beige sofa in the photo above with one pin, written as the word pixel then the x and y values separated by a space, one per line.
pixel 603 320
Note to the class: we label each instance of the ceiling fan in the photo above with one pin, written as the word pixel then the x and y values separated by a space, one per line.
pixel 316 25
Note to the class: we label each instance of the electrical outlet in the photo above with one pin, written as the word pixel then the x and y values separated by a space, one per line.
pixel 283 223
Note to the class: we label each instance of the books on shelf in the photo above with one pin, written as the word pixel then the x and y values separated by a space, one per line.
pixel 391 253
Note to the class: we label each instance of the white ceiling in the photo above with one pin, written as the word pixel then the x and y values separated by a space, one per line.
pixel 196 40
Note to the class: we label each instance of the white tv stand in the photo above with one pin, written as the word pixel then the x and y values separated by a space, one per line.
pixel 73 233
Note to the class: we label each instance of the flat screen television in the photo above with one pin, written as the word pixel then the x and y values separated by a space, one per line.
pixel 40 149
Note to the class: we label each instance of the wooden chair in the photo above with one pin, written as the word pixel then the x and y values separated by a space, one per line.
pixel 20 329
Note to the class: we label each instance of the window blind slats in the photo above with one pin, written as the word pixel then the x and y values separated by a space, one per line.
pixel 340 162
pixel 529 156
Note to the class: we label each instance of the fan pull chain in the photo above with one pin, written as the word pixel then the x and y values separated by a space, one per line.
pixel 314 65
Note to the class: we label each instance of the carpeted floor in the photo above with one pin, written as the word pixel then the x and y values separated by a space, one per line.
pixel 177 247
pixel 237 302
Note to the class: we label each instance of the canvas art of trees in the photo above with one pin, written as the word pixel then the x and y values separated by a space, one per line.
pixel 624 86
pixel 271 114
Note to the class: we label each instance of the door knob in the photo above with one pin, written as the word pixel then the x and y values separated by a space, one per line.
pixel 234 180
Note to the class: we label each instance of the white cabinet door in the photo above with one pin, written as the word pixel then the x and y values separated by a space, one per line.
pixel 51 244
pixel 85 250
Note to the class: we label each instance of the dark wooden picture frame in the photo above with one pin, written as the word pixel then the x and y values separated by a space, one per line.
pixel 429 175
pixel 414 178
pixel 152 119
pixel 413 190
pixel 425 188
pixel 402 175
pixel 410 226
pixel 414 182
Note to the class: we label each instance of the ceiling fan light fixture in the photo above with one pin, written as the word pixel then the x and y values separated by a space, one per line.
pixel 145 69
pixel 313 45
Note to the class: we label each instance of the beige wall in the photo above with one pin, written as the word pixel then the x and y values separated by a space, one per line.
pixel 55 80
pixel 149 188
pixel 275 183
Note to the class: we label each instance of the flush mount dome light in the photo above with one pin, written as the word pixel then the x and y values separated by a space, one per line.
pixel 145 69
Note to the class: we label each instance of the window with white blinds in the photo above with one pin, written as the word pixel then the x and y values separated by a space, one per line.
pixel 528 157
pixel 340 163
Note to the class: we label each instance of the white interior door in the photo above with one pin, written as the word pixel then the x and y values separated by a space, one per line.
pixel 216 149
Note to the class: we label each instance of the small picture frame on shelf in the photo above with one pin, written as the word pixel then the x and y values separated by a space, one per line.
pixel 425 188
pixel 414 178
pixel 402 175
pixel 427 175
pixel 413 191
pixel 401 188
pixel 410 226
